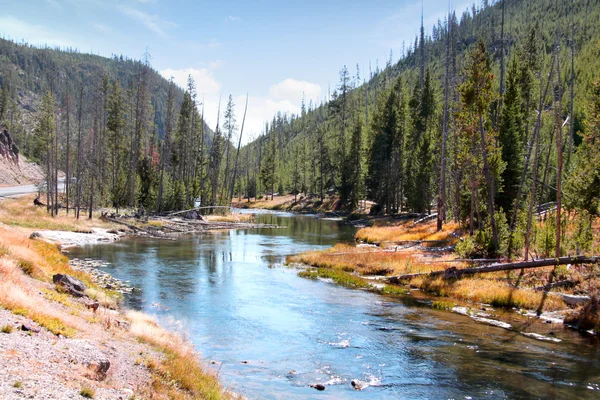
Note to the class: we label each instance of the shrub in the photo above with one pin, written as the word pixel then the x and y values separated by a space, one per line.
pixel 87 392
pixel 27 267
pixel 443 305
pixel 6 328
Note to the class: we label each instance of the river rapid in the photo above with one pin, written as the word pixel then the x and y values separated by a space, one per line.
pixel 272 334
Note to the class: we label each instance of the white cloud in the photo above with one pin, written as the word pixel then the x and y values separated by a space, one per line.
pixel 150 21
pixel 205 81
pixel 232 18
pixel 292 90
pixel 284 97
pixel 16 29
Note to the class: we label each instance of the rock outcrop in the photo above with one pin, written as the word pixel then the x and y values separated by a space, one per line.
pixel 8 147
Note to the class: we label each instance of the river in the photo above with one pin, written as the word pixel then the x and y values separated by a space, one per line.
pixel 273 333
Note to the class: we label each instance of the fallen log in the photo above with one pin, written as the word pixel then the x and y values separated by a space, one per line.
pixel 455 273
pixel 425 218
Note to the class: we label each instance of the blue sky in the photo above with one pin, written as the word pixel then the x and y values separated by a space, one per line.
pixel 274 50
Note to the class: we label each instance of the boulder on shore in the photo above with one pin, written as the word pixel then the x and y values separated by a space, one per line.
pixel 73 286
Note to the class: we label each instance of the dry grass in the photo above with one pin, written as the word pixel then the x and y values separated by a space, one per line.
pixel 21 212
pixel 406 231
pixel 26 270
pixel 492 288
pixel 27 263
pixel 364 260
pixel 488 291
pixel 229 218
pixel 179 374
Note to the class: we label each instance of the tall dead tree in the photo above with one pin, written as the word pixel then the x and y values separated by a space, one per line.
pixel 441 209
pixel 68 134
pixel 237 153
pixel 165 153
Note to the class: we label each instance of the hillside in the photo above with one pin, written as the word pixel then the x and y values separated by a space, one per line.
pixel 107 123
pixel 27 72
pixel 298 137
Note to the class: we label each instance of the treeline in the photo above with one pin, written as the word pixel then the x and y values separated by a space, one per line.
pixel 115 131
pixel 482 123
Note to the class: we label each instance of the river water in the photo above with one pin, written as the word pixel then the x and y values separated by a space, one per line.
pixel 274 333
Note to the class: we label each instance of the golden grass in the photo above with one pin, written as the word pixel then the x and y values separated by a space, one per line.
pixel 26 270
pixel 87 392
pixel 488 291
pixel 229 218
pixel 26 259
pixel 406 231
pixel 21 212
pixel 364 260
pixel 179 374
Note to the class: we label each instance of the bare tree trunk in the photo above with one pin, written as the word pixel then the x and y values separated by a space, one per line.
pixel 68 174
pixel 79 153
pixel 572 103
pixel 237 153
pixel 55 208
pixel 559 151
pixel 441 209
pixel 490 185
pixel 536 138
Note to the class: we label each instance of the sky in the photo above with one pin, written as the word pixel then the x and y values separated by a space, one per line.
pixel 274 51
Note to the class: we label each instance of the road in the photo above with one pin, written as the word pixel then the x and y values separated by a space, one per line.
pixel 12 191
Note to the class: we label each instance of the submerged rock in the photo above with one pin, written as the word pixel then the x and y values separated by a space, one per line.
pixel 358 385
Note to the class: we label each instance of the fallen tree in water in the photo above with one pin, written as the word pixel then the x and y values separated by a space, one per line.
pixel 454 273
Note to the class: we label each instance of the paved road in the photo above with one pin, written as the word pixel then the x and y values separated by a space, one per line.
pixel 11 191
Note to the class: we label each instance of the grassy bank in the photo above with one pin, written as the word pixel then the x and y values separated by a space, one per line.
pixel 26 289
pixel 499 289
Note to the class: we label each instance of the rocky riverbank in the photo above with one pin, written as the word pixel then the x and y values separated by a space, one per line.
pixel 64 335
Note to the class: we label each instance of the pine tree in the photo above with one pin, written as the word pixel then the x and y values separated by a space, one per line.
pixel 267 169
pixel 116 146
pixel 511 137
pixel 582 188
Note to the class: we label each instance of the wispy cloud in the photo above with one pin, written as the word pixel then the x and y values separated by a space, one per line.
pixel 150 21
pixel 17 29
pixel 232 18
pixel 216 64
pixel 101 27
pixel 55 4
pixel 214 43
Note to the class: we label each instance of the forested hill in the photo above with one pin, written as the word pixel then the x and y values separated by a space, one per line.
pixel 382 136
pixel 27 72
pixel 124 134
